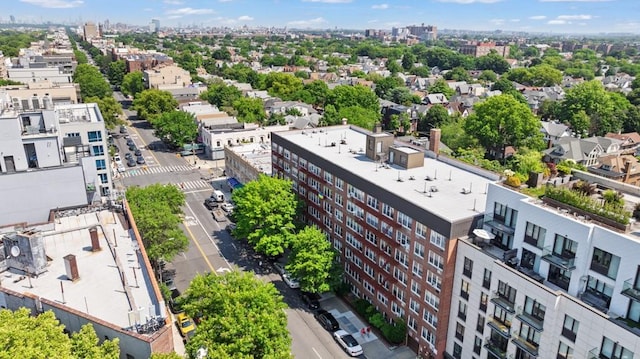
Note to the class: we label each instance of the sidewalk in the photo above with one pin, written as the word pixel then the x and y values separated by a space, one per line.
pixel 374 348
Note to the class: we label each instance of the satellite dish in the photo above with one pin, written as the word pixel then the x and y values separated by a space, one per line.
pixel 15 251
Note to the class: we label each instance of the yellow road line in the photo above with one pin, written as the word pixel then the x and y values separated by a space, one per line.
pixel 199 248
pixel 145 145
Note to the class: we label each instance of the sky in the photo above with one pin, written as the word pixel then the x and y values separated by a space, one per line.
pixel 547 16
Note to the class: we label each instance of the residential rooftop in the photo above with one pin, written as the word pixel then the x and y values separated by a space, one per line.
pixel 452 192
pixel 112 282
pixel 258 155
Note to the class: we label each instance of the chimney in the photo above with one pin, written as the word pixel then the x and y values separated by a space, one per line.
pixel 627 171
pixel 95 241
pixel 377 128
pixel 71 267
pixel 344 120
pixel 434 140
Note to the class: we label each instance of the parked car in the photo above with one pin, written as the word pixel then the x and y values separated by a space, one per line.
pixel 348 342
pixel 231 227
pixel 123 129
pixel 327 320
pixel 130 142
pixel 310 299
pixel 138 152
pixel 174 303
pixel 128 155
pixel 279 268
pixel 133 147
pixel 185 324
pixel 117 159
pixel 227 207
pixel 140 160
pixel 291 282
pixel 211 203
pixel 131 162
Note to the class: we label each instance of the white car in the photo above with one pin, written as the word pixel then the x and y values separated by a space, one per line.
pixel 291 282
pixel 227 207
pixel 348 342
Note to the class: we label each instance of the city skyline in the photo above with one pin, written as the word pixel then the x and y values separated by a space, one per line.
pixel 556 16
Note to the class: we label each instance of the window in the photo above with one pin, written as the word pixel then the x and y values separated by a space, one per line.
pixel 339 184
pixel 328 177
pixel 98 150
pixel 480 324
pixel 421 230
pixel 103 178
pixel 434 281
pixel 477 345
pixel 432 300
pixel 101 165
pixel 372 202
pixel 437 239
pixel 412 324
pixel 387 210
pixel 530 334
pixel 534 309
pixel 372 220
pixel 600 289
pixel 338 215
pixel 417 269
pixel 504 214
pixel 382 299
pixel 95 136
pixel 403 240
pixel 436 260
pixel 506 292
pixel 486 280
pixel 414 306
pixel 368 287
pixel 397 309
pixel 462 310
pixel 460 332
pixel 418 250
pixel 468 267
pixel 400 275
pixel 369 253
pixel 355 193
pixel 386 229
pixel 612 350
pixel 402 258
pixel 502 316
pixel 457 350
pixel 534 235
pixel 430 318
pixel 565 351
pixel 464 289
pixel 415 288
pixel 605 263
pixel 427 335
pixel 369 270
pixel 371 237
pixel 484 298
pixel 565 248
pixel 404 220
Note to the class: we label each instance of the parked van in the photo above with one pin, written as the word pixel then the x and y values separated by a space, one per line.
pixel 218 196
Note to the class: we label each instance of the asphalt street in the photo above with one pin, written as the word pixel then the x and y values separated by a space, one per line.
pixel 211 248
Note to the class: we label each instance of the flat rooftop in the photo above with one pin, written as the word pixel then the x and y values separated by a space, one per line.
pixel 258 155
pixel 436 186
pixel 99 291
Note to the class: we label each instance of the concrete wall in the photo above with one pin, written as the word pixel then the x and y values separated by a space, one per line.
pixel 47 150
pixel 32 195
pixel 27 75
pixel 620 186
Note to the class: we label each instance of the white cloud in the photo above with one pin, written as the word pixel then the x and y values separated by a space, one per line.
pixel 537 17
pixel 574 17
pixel 497 21
pixel 372 21
pixel 245 18
pixel 329 1
pixel 380 6
pixel 189 11
pixel 173 2
pixel 470 1
pixel 576 0
pixel 558 22
pixel 307 23
pixel 55 4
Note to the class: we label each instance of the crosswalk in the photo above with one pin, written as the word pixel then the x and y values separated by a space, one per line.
pixel 155 169
pixel 193 185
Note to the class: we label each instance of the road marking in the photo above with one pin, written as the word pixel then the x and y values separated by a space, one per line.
pixel 315 351
pixel 210 239
pixel 145 145
pixel 198 245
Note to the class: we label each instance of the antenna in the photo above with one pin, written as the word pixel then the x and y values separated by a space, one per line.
pixel 435 175
pixel 449 175
pixel 470 185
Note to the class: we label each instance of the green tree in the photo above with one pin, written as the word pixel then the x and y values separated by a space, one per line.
pixel 441 86
pixel 493 62
pixel 488 76
pixel 386 84
pixel 454 136
pixel 408 59
pixel 458 74
pixel 347 96
pixel 91 82
pixel 359 116
pixel 436 116
pixel 157 210
pixel 81 57
pixel 42 336
pixel 221 95
pixel 402 96
pixel 503 121
pixel 176 128
pixel 318 91
pixel 393 66
pixel 132 83
pixel 109 108
pixel 591 98
pixel 282 84
pixel 172 355
pixel 545 75
pixel 150 104
pixel 250 110
pixel 549 110
pixel 244 317
pixel 116 72
pixel 265 212
pixel 311 260
pixel 526 161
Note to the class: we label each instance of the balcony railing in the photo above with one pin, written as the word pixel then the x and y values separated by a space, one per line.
pixel 530 319
pixel 566 262
pixel 526 345
pixel 593 353
pixel 498 223
pixel 501 328
pixel 630 290
pixel 498 299
pixel 495 349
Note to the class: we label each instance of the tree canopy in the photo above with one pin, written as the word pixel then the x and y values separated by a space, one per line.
pixel 504 121
pixel 312 260
pixel 116 72
pixel 150 104
pixel 265 213
pixel 91 82
pixel 220 94
pixel 42 336
pixel 110 109
pixel 132 83
pixel 591 99
pixel 243 317
pixel 176 128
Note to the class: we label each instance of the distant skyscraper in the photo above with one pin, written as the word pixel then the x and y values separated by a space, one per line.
pixel 155 25
pixel 90 31
pixel 13 19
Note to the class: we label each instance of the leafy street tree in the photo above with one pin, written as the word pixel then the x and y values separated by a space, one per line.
pixel 488 76
pixel 408 59
pixel 454 136
pixel 441 86
pixel 91 82
pixel 312 259
pixel 250 110
pixel 314 93
pixel 347 96
pixel 282 84
pixel 110 108
pixel 150 104
pixel 116 72
pixel 591 98
pixel 458 74
pixel 42 336
pixel 80 56
pixel 356 115
pixel 493 62
pixel 503 121
pixel 176 128
pixel 157 210
pixel 265 212
pixel 545 75
pixel 385 84
pixel 402 96
pixel 220 94
pixel 132 83
pixel 172 355
pixel 243 317
pixel 436 116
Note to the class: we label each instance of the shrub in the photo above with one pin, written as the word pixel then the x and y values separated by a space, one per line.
pixel 579 200
pixel 513 181
pixel 362 307
pixel 377 320
pixel 395 333
pixel 613 197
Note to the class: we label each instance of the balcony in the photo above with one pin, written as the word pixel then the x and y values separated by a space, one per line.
pixel 565 260
pixel 534 322
pixel 499 327
pixel 498 224
pixel 495 348
pixel 525 345
pixel 629 290
pixel 498 299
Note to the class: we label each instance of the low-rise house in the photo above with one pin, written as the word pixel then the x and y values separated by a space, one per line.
pixel 164 77
pixel 623 168
pixel 585 151
pixel 553 131
pixel 630 141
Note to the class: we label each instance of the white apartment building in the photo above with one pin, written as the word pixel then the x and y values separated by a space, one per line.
pixel 53 157
pixel 544 283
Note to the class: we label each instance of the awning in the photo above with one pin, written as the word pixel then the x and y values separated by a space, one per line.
pixel 234 183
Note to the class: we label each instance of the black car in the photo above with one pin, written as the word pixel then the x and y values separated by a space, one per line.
pixel 310 299
pixel 327 320
pixel 138 152
pixel 131 162
pixel 174 303
pixel 128 155
pixel 130 142
pixel 140 160
pixel 211 203
pixel 123 129
pixel 132 147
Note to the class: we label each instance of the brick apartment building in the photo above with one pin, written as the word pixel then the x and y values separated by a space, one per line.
pixel 393 214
